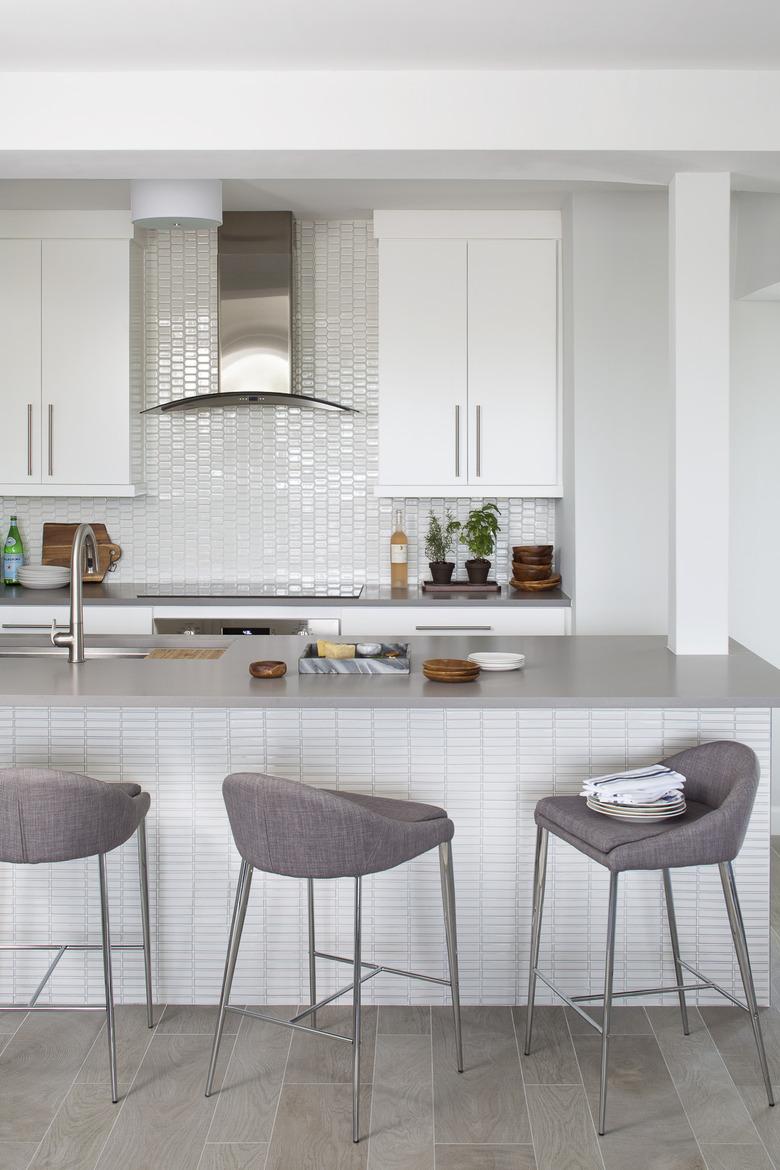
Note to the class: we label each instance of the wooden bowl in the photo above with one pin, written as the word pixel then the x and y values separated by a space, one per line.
pixel 532 550
pixel 530 572
pixel 537 586
pixel 267 669
pixel 533 559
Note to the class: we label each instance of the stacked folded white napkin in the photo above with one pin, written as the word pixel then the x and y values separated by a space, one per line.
pixel 640 786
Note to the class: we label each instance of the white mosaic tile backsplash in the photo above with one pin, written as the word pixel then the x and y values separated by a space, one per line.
pixel 277 494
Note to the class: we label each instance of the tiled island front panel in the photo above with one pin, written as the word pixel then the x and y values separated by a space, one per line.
pixel 488 768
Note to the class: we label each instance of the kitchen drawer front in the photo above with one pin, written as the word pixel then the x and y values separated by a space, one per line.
pixel 98 619
pixel 450 620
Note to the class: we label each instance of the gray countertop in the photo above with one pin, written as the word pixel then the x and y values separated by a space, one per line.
pixel 559 672
pixel 109 593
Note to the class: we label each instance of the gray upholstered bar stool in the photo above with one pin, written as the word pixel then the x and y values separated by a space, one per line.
pixel 292 829
pixel 720 787
pixel 48 816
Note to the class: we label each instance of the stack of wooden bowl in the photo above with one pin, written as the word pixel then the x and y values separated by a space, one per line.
pixel 450 670
pixel 532 568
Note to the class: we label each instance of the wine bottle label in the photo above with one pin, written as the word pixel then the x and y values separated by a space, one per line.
pixel 399 553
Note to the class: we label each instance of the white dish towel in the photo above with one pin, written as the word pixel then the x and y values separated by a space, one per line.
pixel 640 786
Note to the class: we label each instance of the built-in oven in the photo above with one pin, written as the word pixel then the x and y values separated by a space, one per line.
pixel 234 623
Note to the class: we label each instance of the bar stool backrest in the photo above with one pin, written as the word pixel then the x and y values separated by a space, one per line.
pixel 723 775
pixel 47 815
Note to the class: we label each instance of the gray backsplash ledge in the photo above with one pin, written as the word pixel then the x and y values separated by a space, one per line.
pixel 266 494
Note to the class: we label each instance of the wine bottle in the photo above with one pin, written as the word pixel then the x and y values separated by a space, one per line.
pixel 399 555
pixel 13 555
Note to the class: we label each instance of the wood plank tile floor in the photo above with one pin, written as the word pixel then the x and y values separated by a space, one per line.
pixel 675 1103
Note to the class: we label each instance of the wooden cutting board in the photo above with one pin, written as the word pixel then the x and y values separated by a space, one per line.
pixel 172 652
pixel 58 542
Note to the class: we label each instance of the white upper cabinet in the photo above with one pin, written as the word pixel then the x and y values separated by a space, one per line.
pixel 469 387
pixel 65 355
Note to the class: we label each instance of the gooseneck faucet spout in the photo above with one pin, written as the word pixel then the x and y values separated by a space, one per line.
pixel 73 637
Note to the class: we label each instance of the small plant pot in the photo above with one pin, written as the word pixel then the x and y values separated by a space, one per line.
pixel 441 571
pixel 478 571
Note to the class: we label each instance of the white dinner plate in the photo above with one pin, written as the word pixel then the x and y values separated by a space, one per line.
pixel 43 584
pixel 645 818
pixel 498 661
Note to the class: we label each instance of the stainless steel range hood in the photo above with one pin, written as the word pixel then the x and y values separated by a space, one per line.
pixel 255 317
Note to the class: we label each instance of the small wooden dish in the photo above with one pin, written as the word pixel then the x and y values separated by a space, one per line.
pixel 267 669
pixel 450 670
pixel 521 551
pixel 537 586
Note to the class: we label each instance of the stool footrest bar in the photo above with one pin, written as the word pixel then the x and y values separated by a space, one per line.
pixel 315 1007
pixel 387 970
pixel 287 1023
pixel 715 986
pixel 643 991
pixel 570 1002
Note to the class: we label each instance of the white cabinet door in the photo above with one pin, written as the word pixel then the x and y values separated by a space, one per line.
pixel 98 619
pixel 512 362
pixel 396 621
pixel 422 362
pixel 85 362
pixel 20 361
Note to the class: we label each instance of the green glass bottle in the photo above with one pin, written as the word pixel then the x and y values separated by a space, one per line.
pixel 13 555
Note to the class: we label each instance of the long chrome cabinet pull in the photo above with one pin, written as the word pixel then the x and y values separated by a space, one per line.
pixel 29 438
pixel 457 439
pixel 453 627
pixel 51 438
pixel 479 440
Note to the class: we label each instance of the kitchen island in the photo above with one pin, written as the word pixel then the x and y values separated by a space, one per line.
pixel 487 751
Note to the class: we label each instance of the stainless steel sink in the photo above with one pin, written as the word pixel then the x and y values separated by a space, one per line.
pixel 57 652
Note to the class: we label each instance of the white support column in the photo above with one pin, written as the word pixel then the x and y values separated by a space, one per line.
pixel 699 288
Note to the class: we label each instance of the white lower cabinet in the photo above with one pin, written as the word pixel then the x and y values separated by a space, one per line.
pixel 397 621
pixel 98 619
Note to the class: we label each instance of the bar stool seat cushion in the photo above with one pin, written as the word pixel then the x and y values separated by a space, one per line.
pixel 720 786
pixel 48 815
pixel 285 827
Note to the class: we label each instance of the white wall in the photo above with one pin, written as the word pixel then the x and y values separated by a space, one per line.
pixel 755 476
pixel 617 336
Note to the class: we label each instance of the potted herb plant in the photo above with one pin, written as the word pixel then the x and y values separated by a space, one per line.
pixel 479 533
pixel 439 543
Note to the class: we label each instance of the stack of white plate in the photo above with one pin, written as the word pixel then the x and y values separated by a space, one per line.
pixel 495 661
pixel 651 813
pixel 43 576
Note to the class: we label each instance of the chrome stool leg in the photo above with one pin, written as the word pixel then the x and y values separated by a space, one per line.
pixel 108 975
pixel 236 928
pixel 609 967
pixel 678 970
pixel 312 949
pixel 540 879
pixel 357 972
pixel 451 931
pixel 743 958
pixel 143 875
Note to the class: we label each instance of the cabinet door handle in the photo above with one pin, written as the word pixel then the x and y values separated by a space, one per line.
pixel 25 626
pixel 29 439
pixel 457 439
pixel 479 440
pixel 51 438
pixel 453 627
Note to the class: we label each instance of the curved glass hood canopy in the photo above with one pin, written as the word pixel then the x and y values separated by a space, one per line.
pixel 255 318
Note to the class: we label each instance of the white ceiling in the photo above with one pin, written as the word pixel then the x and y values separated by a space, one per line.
pixel 394 34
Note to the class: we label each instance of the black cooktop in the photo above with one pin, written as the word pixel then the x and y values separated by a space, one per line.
pixel 252 591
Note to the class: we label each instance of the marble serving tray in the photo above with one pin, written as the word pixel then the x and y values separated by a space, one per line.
pixel 392 659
